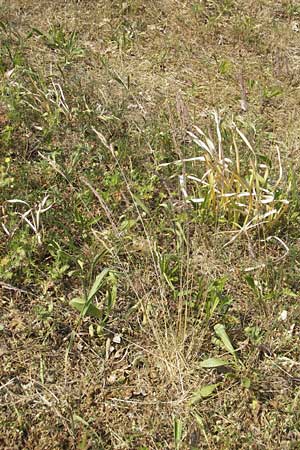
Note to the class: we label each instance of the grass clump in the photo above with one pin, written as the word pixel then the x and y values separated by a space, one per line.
pixel 231 183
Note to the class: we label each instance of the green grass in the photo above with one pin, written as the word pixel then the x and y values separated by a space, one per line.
pixel 149 212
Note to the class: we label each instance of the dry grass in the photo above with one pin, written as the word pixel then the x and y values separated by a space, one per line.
pixel 98 100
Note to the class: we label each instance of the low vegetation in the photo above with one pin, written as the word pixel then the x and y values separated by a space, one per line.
pixel 149 212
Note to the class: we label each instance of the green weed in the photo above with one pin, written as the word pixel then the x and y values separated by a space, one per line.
pixel 85 303
pixel 60 40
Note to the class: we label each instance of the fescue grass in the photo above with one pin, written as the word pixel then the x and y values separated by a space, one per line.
pixel 149 260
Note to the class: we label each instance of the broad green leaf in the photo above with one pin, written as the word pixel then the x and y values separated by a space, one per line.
pixel 97 258
pixel 127 224
pixel 289 293
pixel 221 333
pixel 203 392
pixel 77 418
pixel 111 297
pixel 250 281
pixel 177 433
pixel 199 421
pixel 246 382
pixel 97 284
pixel 211 363
pixel 91 330
pixel 80 263
pixel 141 204
pixel 77 301
pixel 81 305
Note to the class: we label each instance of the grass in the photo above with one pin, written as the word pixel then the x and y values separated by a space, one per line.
pixel 149 260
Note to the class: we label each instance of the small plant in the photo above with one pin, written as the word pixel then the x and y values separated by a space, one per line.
pixel 222 341
pixel 169 269
pixel 232 362
pixel 85 305
pixel 66 42
pixel 255 334
pixel 216 300
pixel 60 261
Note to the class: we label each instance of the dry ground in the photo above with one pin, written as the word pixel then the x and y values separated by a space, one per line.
pixel 142 74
